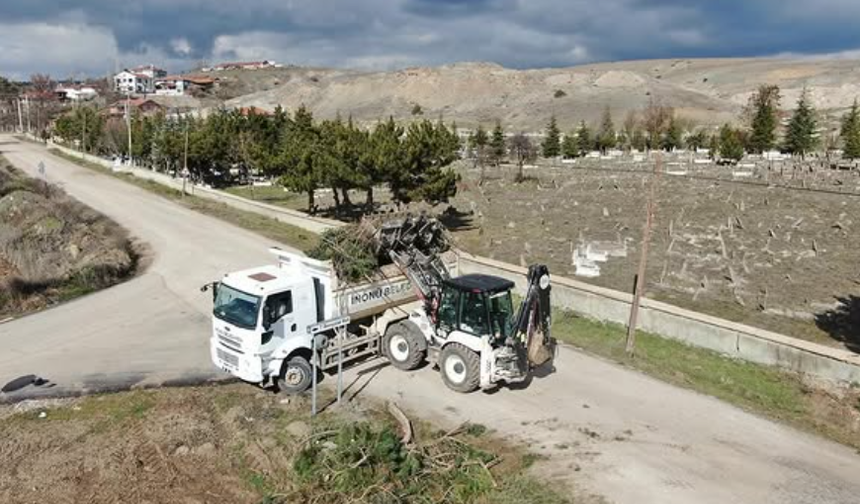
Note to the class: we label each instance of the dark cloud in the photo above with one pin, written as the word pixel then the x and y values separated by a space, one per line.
pixel 386 33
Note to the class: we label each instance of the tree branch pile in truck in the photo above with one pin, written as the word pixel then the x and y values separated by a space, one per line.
pixel 408 310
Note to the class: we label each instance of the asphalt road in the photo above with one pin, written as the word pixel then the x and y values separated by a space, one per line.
pixel 607 430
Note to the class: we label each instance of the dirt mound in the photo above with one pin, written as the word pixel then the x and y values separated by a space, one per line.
pixel 709 91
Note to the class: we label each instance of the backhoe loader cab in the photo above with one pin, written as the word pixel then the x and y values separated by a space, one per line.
pixel 479 305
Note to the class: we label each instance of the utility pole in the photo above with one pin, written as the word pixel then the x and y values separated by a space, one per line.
pixel 639 281
pixel 27 101
pixel 128 125
pixel 185 161
pixel 20 116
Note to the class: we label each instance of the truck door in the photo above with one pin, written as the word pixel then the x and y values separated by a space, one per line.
pixel 280 319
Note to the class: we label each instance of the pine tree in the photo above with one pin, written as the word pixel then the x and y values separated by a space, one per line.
pixel 674 137
pixel 583 137
pixel 478 143
pixel 763 107
pixel 551 145
pixel 606 138
pixel 801 137
pixel 570 146
pixel 850 133
pixel 498 147
pixel 300 157
pixel 639 141
pixel 731 146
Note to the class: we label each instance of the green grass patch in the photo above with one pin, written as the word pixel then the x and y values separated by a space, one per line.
pixel 764 390
pixel 273 195
pixel 270 228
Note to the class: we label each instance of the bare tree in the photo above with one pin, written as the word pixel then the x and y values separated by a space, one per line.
pixel 656 119
pixel 523 149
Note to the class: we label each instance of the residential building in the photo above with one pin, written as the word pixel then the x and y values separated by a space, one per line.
pixel 151 71
pixel 75 93
pixel 133 83
pixel 177 85
pixel 242 65
pixel 144 106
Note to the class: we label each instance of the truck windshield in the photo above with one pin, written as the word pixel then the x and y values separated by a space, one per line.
pixel 236 307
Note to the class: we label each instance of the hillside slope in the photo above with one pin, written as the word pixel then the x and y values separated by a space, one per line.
pixel 709 91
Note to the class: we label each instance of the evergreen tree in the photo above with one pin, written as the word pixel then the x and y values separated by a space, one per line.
pixel 697 140
pixel 551 146
pixel 583 137
pixel 801 137
pixel 674 137
pixel 570 146
pixel 763 108
pixel 639 141
pixel 850 133
pixel 478 144
pixel 301 157
pixel 386 157
pixel 428 149
pixel 498 146
pixel 731 144
pixel 606 138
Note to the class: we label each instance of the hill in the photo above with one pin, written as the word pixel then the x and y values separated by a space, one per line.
pixel 708 91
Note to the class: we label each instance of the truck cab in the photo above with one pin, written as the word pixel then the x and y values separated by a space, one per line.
pixel 258 314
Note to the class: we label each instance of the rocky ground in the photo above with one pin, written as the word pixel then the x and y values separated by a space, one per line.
pixel 743 247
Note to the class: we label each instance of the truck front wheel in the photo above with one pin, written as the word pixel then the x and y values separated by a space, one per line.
pixel 296 376
pixel 460 367
pixel 403 347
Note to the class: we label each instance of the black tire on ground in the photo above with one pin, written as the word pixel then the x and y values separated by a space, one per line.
pixel 460 368
pixel 296 377
pixel 403 347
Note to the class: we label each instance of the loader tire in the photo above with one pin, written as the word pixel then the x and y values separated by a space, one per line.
pixel 460 368
pixel 403 347
pixel 296 376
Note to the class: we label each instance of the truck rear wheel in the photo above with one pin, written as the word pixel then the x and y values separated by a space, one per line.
pixel 296 376
pixel 460 368
pixel 403 347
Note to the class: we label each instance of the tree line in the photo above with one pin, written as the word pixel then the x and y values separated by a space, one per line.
pixel 658 128
pixel 297 151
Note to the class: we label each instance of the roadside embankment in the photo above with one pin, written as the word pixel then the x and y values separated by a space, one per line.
pixel 52 247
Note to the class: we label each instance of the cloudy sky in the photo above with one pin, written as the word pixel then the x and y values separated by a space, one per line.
pixel 74 37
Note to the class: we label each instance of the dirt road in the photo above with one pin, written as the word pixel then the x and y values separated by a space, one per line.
pixel 607 430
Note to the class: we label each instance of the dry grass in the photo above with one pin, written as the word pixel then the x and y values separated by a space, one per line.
pixel 53 247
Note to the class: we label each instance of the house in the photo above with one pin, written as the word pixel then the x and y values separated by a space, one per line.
pixel 133 83
pixel 177 85
pixel 144 106
pixel 151 71
pixel 242 65
pixel 75 93
pixel 170 85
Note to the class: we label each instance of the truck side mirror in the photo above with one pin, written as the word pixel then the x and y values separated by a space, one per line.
pixel 214 287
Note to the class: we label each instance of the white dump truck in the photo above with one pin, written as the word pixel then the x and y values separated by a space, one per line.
pixel 411 311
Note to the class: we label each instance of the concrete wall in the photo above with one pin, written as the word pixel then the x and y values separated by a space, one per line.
pixel 696 329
